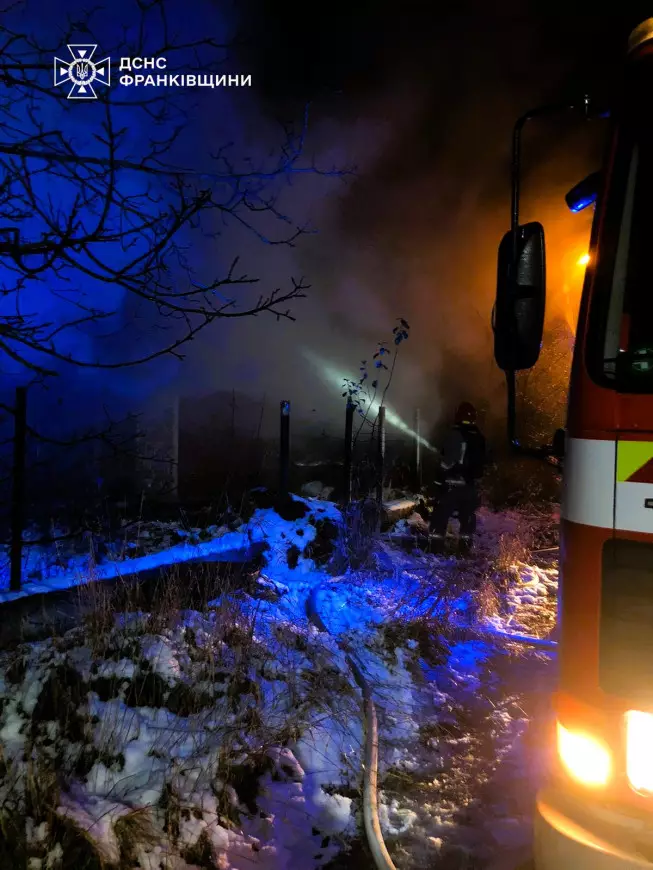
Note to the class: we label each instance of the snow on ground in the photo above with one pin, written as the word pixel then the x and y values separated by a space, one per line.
pixel 529 602
pixel 185 732
pixel 233 738
pixel 152 545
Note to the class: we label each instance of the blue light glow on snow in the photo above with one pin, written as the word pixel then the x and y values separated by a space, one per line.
pixel 229 547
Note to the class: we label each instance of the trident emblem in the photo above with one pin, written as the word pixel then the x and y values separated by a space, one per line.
pixel 81 72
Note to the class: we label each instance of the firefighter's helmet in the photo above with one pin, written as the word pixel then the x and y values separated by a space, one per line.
pixel 466 413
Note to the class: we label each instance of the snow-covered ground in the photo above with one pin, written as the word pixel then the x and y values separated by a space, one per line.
pixel 233 738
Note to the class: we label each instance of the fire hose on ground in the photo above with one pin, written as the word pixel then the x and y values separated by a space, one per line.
pixel 489 633
pixel 372 825
pixel 377 846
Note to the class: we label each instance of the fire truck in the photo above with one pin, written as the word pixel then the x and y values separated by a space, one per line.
pixel 596 809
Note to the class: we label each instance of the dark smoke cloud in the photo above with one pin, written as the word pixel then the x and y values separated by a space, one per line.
pixel 423 101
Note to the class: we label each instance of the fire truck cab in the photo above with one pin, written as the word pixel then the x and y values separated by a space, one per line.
pixel 596 810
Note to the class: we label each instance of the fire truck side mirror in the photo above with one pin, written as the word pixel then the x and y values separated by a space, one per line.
pixel 518 315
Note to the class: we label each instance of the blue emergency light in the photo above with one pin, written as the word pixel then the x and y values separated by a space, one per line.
pixel 584 193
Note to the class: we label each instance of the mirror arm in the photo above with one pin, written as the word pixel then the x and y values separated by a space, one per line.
pixel 552 109
pixel 556 108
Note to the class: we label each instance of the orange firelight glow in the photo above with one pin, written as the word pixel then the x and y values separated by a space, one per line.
pixel 567 283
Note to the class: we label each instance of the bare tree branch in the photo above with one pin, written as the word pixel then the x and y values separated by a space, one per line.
pixel 115 217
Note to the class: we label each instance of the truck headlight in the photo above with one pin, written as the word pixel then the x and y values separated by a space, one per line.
pixel 585 758
pixel 639 750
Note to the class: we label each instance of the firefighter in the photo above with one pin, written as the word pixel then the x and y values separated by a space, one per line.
pixel 462 464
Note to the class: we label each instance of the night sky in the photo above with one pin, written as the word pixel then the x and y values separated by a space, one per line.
pixel 352 51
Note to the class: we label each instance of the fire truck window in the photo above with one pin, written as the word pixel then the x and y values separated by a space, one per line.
pixel 628 347
pixel 619 296
pixel 639 287
pixel 619 338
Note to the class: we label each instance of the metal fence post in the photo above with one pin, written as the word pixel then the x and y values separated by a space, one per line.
pixel 18 489
pixel 348 453
pixel 418 450
pixel 380 455
pixel 284 449
pixel 176 423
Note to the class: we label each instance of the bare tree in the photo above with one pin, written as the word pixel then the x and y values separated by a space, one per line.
pixel 117 217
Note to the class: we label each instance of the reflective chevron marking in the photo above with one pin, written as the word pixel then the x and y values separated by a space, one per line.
pixel 635 462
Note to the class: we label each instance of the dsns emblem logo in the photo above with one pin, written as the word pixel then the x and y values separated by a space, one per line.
pixel 82 72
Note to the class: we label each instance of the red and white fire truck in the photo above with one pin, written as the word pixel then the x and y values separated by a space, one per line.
pixel 597 809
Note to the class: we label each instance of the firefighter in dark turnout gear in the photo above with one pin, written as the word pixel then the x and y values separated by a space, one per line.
pixel 461 467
